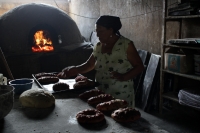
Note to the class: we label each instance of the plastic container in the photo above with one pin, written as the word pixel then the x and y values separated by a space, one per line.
pixel 21 85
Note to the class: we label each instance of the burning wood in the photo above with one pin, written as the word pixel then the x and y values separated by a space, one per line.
pixel 42 42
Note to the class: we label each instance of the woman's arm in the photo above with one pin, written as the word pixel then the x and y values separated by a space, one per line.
pixel 74 70
pixel 135 61
pixel 87 66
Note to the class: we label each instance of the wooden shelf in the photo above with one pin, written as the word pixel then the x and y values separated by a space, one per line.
pixel 184 23
pixel 181 46
pixel 191 76
pixel 171 96
pixel 182 17
pixel 174 97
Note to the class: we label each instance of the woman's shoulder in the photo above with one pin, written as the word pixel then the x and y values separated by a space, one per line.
pixel 98 44
pixel 97 47
pixel 125 39
pixel 124 43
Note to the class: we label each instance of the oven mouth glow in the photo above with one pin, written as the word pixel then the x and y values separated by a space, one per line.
pixel 42 41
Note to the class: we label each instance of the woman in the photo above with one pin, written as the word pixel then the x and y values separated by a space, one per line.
pixel 115 60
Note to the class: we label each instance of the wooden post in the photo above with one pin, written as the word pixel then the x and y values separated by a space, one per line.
pixel 6 64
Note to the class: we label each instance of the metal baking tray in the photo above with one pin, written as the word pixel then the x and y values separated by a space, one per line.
pixel 70 82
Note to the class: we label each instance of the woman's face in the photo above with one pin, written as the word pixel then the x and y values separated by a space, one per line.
pixel 103 33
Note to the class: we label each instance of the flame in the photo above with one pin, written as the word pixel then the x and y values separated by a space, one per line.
pixel 42 42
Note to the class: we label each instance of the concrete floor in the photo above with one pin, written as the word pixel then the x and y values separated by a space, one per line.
pixel 179 119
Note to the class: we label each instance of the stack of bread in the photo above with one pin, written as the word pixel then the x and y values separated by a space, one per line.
pixel 105 103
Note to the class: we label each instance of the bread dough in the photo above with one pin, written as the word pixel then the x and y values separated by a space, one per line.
pixel 37 99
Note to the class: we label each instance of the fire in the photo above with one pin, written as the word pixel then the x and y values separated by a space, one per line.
pixel 42 42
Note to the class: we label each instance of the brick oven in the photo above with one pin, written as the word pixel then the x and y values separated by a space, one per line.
pixel 18 28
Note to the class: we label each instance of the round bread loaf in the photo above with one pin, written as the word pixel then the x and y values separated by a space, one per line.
pixel 80 84
pixel 90 93
pixel 60 86
pixel 112 105
pixel 80 78
pixel 84 84
pixel 99 99
pixel 37 99
pixel 127 114
pixel 90 116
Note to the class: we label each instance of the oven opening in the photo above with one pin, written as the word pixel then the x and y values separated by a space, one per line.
pixel 43 38
pixel 42 41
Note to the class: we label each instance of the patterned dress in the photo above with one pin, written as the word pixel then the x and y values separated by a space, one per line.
pixel 116 61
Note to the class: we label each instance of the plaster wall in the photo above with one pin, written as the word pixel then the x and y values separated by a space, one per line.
pixel 141 19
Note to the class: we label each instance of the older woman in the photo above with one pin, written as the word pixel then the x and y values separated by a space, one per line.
pixel 115 60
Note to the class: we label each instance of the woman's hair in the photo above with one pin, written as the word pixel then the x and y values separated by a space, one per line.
pixel 110 22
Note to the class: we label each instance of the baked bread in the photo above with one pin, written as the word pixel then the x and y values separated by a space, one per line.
pixel 99 99
pixel 83 84
pixel 90 93
pixel 80 78
pixel 48 80
pixel 112 105
pixel 37 99
pixel 60 86
pixel 125 115
pixel 43 74
pixel 90 116
pixel 80 84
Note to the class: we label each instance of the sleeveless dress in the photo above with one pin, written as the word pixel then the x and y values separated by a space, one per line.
pixel 116 61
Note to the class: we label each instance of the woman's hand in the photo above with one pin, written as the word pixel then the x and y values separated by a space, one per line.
pixel 68 72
